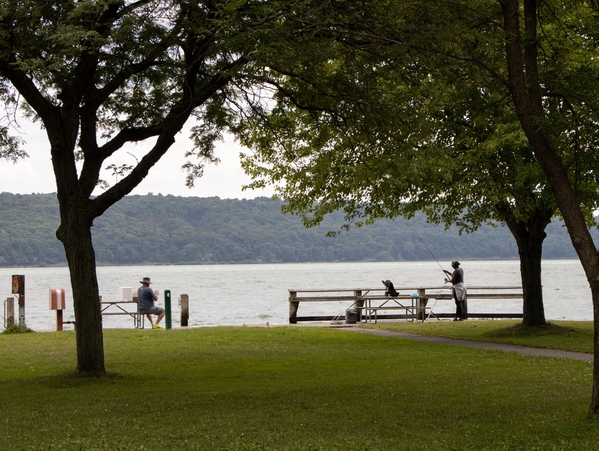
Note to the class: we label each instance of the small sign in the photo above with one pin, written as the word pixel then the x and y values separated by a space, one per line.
pixel 57 299
pixel 18 284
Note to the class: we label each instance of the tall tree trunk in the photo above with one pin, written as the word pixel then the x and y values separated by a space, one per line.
pixel 526 95
pixel 529 239
pixel 75 235
pixel 530 270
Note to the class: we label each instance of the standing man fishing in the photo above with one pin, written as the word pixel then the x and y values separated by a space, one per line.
pixel 458 288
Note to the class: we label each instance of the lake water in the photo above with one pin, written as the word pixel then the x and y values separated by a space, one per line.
pixel 256 294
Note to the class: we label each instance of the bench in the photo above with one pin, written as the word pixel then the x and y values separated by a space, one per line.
pixel 364 301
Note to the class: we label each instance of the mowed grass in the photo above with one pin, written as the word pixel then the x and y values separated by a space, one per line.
pixel 287 388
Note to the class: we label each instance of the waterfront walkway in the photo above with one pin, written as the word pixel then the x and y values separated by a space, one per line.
pixel 555 353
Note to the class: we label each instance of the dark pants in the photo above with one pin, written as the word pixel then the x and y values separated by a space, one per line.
pixel 458 306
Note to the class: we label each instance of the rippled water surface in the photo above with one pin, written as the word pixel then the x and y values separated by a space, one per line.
pixel 255 294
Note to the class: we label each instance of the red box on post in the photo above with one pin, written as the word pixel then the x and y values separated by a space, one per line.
pixel 57 299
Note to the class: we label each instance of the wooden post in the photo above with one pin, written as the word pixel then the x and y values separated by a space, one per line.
pixel 421 303
pixel 18 288
pixel 184 299
pixel 465 307
pixel 58 320
pixel 293 306
pixel 359 304
pixel 10 311
pixel 57 302
pixel 168 322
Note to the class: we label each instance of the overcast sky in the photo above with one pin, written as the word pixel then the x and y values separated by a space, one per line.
pixel 35 175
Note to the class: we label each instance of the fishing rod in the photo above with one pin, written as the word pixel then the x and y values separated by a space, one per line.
pixel 430 252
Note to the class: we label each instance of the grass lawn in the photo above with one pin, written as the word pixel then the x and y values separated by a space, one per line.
pixel 287 388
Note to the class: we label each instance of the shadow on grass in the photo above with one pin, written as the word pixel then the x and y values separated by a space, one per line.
pixel 522 331
pixel 565 335
pixel 74 380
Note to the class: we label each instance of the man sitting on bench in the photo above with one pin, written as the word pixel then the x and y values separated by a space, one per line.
pixel 145 303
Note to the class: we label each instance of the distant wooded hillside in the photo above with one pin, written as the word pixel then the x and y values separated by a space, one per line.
pixel 156 229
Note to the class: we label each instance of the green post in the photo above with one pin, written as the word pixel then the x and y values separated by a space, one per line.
pixel 167 309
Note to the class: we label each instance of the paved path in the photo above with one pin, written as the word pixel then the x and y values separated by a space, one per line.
pixel 477 344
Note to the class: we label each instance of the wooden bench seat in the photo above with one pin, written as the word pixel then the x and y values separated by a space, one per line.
pixel 120 313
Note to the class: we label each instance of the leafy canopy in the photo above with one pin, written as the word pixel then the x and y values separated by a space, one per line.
pixel 415 114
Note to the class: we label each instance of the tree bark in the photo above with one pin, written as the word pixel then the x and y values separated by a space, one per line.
pixel 75 235
pixel 529 238
pixel 530 250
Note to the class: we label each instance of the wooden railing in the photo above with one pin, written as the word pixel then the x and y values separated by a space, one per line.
pixel 417 304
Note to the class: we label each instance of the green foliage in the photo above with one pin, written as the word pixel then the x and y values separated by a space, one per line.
pixel 287 388
pixel 10 146
pixel 189 230
pixel 417 115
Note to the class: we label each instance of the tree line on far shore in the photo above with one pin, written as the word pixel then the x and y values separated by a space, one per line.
pixel 157 229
